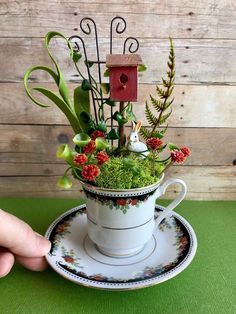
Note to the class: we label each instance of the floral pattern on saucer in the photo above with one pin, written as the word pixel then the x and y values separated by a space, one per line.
pixel 69 256
pixel 62 229
pixel 182 240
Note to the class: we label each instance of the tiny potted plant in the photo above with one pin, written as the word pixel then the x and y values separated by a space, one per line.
pixel 121 174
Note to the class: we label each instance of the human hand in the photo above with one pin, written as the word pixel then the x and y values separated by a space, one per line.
pixel 19 242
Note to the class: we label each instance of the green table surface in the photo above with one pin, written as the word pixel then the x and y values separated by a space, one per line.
pixel 208 285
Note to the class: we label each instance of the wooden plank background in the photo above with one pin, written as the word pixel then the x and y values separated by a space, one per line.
pixel 204 116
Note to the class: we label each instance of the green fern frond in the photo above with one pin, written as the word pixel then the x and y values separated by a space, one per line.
pixel 165 117
pixel 170 91
pixel 145 133
pixel 160 92
pixel 164 130
pixel 164 82
pixel 162 102
pixel 157 104
pixel 168 104
pixel 150 116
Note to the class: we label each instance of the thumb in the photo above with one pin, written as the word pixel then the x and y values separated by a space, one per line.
pixel 19 237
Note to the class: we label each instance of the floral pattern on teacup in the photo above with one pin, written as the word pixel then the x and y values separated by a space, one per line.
pixel 119 203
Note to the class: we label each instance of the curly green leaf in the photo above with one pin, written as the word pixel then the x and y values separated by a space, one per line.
pixel 62 86
pixel 81 104
pixel 26 78
pixel 63 106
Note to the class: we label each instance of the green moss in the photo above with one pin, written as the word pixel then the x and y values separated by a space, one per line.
pixel 128 173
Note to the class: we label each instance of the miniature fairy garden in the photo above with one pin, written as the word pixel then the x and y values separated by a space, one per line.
pixel 111 148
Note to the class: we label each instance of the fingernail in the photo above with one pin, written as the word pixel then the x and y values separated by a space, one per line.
pixel 7 261
pixel 44 245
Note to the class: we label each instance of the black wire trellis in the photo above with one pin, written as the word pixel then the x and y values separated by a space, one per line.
pixel 130 45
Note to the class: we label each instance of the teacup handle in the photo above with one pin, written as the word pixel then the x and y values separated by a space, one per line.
pixel 161 191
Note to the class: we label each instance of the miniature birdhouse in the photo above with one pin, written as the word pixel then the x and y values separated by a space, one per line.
pixel 123 72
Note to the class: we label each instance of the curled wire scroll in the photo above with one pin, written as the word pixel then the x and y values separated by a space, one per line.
pixel 76 47
pixel 120 28
pixel 133 45
pixel 86 29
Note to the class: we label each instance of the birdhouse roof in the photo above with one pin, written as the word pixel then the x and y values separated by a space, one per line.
pixel 120 60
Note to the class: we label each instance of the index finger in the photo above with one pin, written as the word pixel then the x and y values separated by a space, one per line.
pixel 19 238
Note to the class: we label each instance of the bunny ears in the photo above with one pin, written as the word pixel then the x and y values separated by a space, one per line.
pixel 136 126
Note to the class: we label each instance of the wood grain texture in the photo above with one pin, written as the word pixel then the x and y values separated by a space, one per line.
pixel 203 183
pixel 198 61
pixel 204 115
pixel 120 60
pixel 38 144
pixel 194 106
pixel 180 19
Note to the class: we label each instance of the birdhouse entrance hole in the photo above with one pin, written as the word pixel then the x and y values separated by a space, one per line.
pixel 124 79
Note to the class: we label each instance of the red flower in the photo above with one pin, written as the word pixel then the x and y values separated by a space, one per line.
pixel 68 259
pixel 89 148
pixel 96 134
pixel 97 277
pixel 90 172
pixel 102 157
pixel 134 202
pixel 60 228
pixel 177 156
pixel 121 202
pixel 186 151
pixel 80 159
pixel 154 143
pixel 183 240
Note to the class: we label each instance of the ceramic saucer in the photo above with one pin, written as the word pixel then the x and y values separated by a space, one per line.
pixel 76 258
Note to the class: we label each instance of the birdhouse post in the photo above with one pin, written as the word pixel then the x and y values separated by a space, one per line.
pixel 123 73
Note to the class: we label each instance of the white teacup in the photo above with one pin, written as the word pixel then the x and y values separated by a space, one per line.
pixel 121 222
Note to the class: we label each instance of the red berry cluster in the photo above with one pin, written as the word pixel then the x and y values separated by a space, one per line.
pixel 90 171
pixel 179 156
pixel 80 159
pixel 186 151
pixel 89 148
pixel 97 134
pixel 102 157
pixel 154 143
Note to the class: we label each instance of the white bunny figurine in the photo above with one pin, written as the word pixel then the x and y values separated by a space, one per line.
pixel 134 145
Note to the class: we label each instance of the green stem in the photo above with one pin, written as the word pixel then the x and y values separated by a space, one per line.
pixel 77 68
pixel 77 176
pixel 108 119
pixel 165 160
pixel 89 157
pixel 153 163
pixel 125 107
pixel 95 89
pixel 168 166
pixel 67 170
